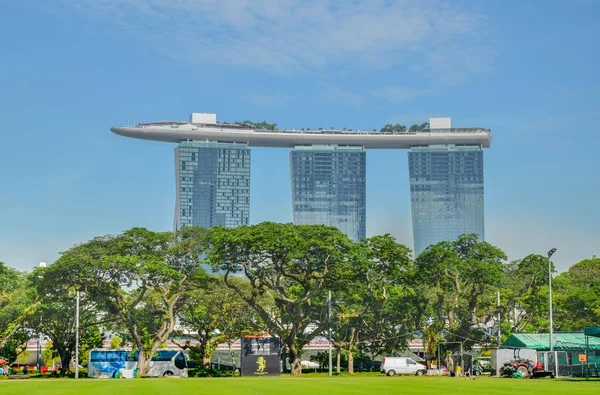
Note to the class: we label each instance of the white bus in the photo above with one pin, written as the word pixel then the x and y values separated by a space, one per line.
pixel 122 363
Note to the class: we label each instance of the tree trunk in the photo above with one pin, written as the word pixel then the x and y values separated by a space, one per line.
pixel 203 348
pixel 296 368
pixel 440 306
pixel 350 353
pixel 350 362
pixel 65 361
pixel 209 349
pixel 233 364
pixel 143 363
pixel 206 362
pixel 339 360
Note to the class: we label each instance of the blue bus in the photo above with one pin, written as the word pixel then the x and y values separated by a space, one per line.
pixel 165 362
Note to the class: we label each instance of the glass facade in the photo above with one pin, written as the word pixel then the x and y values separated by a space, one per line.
pixel 213 184
pixel 446 192
pixel 329 188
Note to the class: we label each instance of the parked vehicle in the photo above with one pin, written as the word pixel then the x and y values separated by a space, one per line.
pixel 482 365
pixel 525 368
pixel 309 365
pixel 165 362
pixel 402 365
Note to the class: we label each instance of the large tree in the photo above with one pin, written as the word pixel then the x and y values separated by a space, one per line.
pixel 17 302
pixel 460 276
pixel 295 264
pixel 213 313
pixel 524 294
pixel 577 296
pixel 138 277
pixel 55 317
pixel 398 306
pixel 377 307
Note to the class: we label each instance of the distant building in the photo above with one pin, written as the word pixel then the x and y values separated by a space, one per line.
pixel 328 173
pixel 213 184
pixel 446 190
pixel 329 188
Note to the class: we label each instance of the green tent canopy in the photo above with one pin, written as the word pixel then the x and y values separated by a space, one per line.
pixel 592 331
pixel 561 341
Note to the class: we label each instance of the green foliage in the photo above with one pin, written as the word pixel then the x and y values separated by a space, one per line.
pixel 264 125
pixel 524 293
pixel 419 128
pixel 393 128
pixel 216 314
pixel 136 277
pixel 90 338
pixel 55 316
pixel 378 300
pixel 17 302
pixel 49 355
pixel 460 278
pixel 116 342
pixel 294 264
pixel 275 279
pixel 321 357
pixel 577 296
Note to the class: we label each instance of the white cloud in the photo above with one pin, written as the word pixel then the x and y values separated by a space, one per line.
pixel 300 35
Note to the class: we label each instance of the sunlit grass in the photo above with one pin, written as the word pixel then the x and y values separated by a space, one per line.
pixel 306 385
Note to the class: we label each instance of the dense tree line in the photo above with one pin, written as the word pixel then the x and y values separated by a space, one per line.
pixel 274 278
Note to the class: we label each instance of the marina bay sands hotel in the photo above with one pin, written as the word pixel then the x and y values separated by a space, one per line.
pixel 328 173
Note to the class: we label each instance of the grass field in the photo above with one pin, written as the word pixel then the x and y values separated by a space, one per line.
pixel 300 386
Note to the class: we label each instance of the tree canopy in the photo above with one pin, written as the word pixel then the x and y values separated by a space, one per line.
pixel 295 264
pixel 151 287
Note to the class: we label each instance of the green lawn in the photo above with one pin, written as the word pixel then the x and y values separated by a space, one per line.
pixel 372 385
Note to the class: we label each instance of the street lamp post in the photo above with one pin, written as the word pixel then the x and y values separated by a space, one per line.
pixel 329 317
pixel 552 251
pixel 77 336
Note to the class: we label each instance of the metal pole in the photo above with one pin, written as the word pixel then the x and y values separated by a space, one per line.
pixel 39 348
pixel 550 299
pixel 329 317
pixel 462 365
pixel 550 253
pixel 499 337
pixel 77 337
pixel 439 362
pixel 587 359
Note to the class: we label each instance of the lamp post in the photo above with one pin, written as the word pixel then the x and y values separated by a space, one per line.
pixel 77 336
pixel 329 317
pixel 552 251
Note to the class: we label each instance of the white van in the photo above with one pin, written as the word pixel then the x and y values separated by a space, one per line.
pixel 402 365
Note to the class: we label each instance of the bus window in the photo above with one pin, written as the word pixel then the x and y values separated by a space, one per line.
pixel 116 356
pixel 163 355
pixel 98 356
pixel 132 356
pixel 180 361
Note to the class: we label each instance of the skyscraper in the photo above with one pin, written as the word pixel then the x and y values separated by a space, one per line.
pixel 213 184
pixel 329 188
pixel 328 173
pixel 446 191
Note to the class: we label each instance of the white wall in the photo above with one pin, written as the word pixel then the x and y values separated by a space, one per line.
pixel 440 123
pixel 205 118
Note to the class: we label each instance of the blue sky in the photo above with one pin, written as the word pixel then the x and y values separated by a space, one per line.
pixel 70 69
